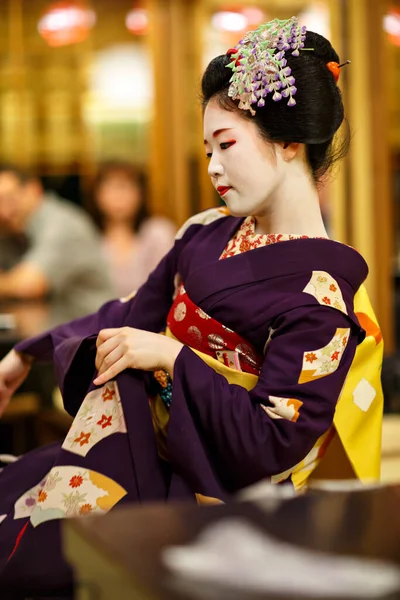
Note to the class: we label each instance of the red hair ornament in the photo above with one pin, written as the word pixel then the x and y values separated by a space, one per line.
pixel 334 68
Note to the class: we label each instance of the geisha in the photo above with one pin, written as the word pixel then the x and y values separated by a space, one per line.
pixel 250 354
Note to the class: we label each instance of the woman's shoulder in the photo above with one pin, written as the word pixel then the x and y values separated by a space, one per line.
pixel 321 254
pixel 206 217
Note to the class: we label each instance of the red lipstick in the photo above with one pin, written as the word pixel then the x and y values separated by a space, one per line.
pixel 222 189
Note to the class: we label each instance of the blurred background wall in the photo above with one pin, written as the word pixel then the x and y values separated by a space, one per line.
pixel 85 81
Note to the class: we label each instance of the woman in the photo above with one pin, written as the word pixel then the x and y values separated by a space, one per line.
pixel 261 333
pixel 133 243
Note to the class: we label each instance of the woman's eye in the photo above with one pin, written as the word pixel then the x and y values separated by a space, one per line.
pixel 226 145
pixel 208 155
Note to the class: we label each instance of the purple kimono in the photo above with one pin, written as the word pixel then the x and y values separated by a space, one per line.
pixel 291 301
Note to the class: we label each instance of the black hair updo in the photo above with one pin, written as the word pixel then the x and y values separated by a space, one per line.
pixel 315 118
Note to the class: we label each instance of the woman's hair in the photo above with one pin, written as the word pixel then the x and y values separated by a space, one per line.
pixel 315 118
pixel 124 169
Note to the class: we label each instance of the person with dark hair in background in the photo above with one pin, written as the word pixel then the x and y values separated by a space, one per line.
pixel 242 358
pixel 133 242
pixel 48 247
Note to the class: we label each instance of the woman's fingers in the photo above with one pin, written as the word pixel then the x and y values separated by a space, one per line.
pixel 112 372
pixel 112 355
pixel 126 347
pixel 105 349
pixel 106 334
pixel 110 359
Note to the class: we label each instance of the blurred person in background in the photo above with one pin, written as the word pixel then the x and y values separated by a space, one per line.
pixel 48 247
pixel 133 242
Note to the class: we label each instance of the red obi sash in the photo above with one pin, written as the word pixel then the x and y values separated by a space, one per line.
pixel 193 327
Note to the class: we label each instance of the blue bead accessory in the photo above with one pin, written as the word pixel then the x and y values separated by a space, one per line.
pixel 163 386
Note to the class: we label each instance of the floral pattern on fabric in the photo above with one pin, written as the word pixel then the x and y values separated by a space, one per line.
pixel 283 408
pixel 325 361
pixel 326 290
pixel 25 505
pixel 99 416
pixel 247 239
pixel 70 491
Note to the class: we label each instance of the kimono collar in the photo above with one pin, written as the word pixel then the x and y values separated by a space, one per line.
pixel 204 274
pixel 246 238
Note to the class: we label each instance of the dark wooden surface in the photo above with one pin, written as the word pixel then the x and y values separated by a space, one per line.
pixel 121 552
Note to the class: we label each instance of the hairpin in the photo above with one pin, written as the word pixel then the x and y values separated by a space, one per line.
pixel 334 68
pixel 234 51
pixel 259 65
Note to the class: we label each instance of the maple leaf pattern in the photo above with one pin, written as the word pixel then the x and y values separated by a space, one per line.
pixel 108 394
pixel 100 415
pixel 311 357
pixel 324 361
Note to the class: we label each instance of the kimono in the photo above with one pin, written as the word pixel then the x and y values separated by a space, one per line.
pixel 276 370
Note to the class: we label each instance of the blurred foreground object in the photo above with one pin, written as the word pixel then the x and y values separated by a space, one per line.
pixel 123 555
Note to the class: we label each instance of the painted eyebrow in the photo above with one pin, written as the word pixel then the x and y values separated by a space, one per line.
pixel 218 132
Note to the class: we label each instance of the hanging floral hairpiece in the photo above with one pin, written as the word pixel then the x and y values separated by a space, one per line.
pixel 259 65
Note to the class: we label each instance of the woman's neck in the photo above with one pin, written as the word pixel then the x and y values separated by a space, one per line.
pixel 118 230
pixel 293 206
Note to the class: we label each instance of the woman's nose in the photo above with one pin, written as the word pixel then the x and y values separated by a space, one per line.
pixel 215 168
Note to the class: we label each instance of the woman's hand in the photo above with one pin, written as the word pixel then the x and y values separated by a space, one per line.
pixel 128 348
pixel 14 369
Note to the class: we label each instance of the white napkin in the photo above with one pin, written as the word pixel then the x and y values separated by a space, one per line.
pixel 233 552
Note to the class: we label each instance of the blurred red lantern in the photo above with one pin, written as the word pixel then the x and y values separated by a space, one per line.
pixel 229 19
pixel 66 22
pixel 235 19
pixel 391 24
pixel 254 15
pixel 137 20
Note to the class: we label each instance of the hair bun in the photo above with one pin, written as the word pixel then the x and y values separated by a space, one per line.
pixel 321 48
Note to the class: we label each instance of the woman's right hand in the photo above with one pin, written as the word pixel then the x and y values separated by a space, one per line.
pixel 14 369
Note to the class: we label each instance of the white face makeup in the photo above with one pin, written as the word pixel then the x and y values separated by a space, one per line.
pixel 244 168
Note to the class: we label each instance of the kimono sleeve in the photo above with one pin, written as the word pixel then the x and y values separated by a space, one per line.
pixel 72 346
pixel 252 435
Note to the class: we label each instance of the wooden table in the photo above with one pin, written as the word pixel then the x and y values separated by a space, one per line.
pixel 118 556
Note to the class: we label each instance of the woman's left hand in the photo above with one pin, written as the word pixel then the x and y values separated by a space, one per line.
pixel 128 348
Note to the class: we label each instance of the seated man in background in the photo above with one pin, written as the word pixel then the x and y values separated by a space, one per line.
pixel 48 247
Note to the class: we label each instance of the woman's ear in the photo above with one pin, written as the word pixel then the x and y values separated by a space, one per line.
pixel 289 150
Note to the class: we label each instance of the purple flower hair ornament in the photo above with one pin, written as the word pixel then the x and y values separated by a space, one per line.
pixel 259 65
